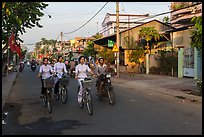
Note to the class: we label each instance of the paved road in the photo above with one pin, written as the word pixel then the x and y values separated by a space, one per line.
pixel 136 112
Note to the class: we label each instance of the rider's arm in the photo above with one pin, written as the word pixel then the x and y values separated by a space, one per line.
pixel 76 72
pixel 97 72
pixel 89 70
pixel 65 69
pixel 55 67
pixel 51 70
pixel 40 71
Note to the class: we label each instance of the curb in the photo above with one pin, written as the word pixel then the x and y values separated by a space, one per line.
pixel 6 88
pixel 174 93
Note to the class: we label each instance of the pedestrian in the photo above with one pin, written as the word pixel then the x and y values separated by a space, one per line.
pixel 142 68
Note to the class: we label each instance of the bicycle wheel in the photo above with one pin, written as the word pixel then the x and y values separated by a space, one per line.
pixel 89 103
pixel 100 92
pixel 64 95
pixel 44 101
pixel 49 100
pixel 111 96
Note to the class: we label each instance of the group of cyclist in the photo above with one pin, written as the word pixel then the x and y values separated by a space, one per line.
pixel 81 71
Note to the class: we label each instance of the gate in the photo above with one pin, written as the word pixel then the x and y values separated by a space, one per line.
pixel 188 68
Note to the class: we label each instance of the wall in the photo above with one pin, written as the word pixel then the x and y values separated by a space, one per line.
pixel 135 32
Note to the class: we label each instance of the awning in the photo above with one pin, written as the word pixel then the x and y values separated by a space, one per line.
pixel 104 40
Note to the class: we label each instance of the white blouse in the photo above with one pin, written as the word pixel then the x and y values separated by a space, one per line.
pixel 45 70
pixel 82 70
pixel 60 67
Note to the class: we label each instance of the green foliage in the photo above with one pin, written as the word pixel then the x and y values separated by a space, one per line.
pixel 167 60
pixel 97 36
pixel 18 16
pixel 90 51
pixel 107 54
pixel 196 34
pixel 135 49
pixel 149 33
pixel 23 52
pixel 166 19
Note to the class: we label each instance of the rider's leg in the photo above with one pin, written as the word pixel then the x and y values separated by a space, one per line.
pixel 42 88
pixel 80 90
pixel 56 90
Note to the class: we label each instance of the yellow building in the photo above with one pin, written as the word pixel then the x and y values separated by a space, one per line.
pixel 134 32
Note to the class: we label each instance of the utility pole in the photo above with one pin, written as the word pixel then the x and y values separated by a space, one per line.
pixel 61 34
pixel 97 26
pixel 117 37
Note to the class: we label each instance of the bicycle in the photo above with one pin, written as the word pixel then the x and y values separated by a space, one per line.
pixel 47 98
pixel 63 92
pixel 86 94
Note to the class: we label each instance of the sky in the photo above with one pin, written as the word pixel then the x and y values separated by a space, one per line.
pixel 69 16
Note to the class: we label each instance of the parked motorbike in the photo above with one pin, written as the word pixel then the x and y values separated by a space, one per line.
pixel 105 88
pixel 33 67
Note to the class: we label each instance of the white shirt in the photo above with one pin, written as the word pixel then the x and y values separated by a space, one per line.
pixel 81 70
pixel 60 67
pixel 101 69
pixel 45 70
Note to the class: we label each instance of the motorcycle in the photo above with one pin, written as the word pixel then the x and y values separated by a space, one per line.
pixel 72 72
pixel 33 67
pixel 21 67
pixel 105 88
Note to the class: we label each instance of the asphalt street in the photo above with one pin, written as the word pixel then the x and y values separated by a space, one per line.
pixel 136 112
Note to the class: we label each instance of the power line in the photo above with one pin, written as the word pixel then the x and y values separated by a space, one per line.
pixel 87 21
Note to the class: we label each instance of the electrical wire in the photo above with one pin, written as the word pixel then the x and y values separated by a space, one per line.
pixel 87 21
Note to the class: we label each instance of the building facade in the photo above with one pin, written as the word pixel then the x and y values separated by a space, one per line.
pixel 125 21
pixel 189 62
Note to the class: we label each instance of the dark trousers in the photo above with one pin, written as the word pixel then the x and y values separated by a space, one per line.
pixel 43 88
pixel 56 87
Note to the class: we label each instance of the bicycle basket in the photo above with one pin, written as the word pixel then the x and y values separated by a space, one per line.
pixel 88 83
pixel 49 83
pixel 64 81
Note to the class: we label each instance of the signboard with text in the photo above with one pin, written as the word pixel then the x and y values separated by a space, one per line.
pixel 110 43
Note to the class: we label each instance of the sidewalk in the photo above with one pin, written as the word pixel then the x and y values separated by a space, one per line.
pixel 7 83
pixel 173 86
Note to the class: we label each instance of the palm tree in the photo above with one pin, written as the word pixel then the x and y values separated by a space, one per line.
pixel 148 33
pixel 166 19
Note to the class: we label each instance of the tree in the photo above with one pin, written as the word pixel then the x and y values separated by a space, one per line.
pixel 196 34
pixel 90 51
pixel 149 33
pixel 107 54
pixel 166 20
pixel 46 44
pixel 135 50
pixel 17 16
pixel 97 36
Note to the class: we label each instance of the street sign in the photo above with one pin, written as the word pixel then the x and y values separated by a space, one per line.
pixel 110 43
pixel 115 48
